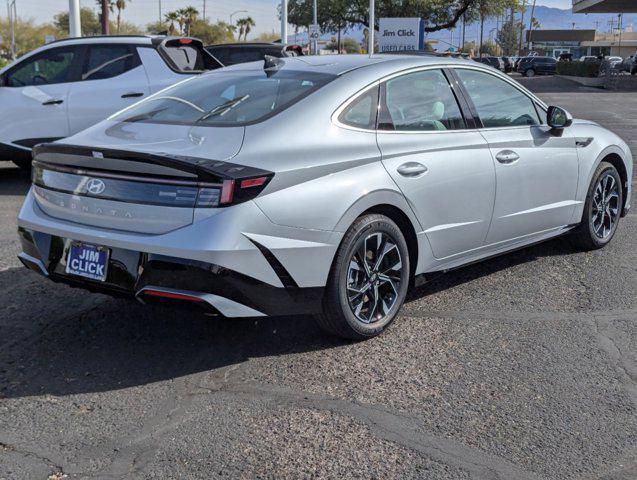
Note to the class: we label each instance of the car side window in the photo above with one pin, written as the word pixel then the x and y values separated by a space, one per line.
pixel 51 66
pixel 108 61
pixel 361 113
pixel 498 103
pixel 420 101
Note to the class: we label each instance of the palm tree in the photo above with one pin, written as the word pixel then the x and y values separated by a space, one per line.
pixel 172 17
pixel 241 24
pixel 190 14
pixel 120 5
pixel 248 26
pixel 183 17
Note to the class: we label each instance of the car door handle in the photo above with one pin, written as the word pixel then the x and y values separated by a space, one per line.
pixel 412 169
pixel 53 102
pixel 133 95
pixel 507 156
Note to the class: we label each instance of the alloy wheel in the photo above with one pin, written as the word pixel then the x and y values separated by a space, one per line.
pixel 374 276
pixel 605 206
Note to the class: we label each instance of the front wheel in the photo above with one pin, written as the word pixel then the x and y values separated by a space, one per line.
pixel 368 281
pixel 530 73
pixel 602 209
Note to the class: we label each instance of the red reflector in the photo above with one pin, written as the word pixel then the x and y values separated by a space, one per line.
pixel 253 182
pixel 227 191
pixel 185 41
pixel 174 296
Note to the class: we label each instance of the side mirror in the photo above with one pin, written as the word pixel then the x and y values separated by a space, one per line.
pixel 558 118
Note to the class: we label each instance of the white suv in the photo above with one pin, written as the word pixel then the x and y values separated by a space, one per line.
pixel 69 85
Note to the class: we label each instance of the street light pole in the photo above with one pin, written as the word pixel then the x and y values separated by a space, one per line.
pixel 315 21
pixel 284 22
pixel 75 26
pixel 11 11
pixel 370 27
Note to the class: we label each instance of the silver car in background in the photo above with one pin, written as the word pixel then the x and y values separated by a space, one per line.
pixel 318 185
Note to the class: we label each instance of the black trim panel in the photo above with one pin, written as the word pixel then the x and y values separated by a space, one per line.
pixel 129 271
pixel 286 279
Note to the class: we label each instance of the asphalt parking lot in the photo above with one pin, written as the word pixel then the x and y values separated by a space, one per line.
pixel 522 367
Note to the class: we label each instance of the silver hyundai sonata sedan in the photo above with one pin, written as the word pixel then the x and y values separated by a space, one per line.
pixel 318 185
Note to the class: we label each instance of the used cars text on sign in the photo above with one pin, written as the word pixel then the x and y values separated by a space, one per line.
pixel 400 34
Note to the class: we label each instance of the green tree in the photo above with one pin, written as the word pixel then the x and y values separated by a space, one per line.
pixel 508 36
pixel 88 19
pixel 268 37
pixel 245 26
pixel 335 14
pixel 157 28
pixel 120 5
pixel 209 33
pixel 171 18
pixel 489 48
pixel 348 44
pixel 190 15
pixel 28 36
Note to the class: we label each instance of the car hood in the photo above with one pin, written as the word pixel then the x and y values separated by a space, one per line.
pixel 214 143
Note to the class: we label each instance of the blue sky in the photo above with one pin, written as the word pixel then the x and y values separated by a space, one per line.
pixel 144 11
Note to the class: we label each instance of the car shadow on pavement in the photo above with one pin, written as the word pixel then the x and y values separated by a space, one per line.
pixel 61 341
pixel 14 181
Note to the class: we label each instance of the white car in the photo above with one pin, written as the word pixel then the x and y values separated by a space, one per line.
pixel 66 86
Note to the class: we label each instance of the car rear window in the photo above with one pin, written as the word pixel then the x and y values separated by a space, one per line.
pixel 226 98
pixel 186 55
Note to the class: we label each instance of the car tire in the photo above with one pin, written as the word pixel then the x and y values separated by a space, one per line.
pixel 22 164
pixel 366 314
pixel 529 73
pixel 593 233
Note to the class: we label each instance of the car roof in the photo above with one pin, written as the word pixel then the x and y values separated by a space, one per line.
pixel 248 44
pixel 134 39
pixel 342 64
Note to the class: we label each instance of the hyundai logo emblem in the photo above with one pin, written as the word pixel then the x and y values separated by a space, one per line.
pixel 95 186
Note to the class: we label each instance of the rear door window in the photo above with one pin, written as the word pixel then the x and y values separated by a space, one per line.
pixel 420 101
pixel 108 61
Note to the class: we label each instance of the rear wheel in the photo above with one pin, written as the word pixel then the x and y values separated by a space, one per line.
pixel 602 209
pixel 368 281
pixel 530 73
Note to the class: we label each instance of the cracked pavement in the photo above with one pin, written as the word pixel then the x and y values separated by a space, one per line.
pixel 521 367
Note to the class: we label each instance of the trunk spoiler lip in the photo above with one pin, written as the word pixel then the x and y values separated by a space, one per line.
pixel 206 170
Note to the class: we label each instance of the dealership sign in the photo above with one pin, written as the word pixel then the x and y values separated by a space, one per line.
pixel 401 34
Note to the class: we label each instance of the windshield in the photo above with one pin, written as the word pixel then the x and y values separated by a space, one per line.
pixel 226 98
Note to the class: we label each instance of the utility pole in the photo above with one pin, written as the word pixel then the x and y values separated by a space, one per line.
pixel 284 22
pixel 522 26
pixel 75 26
pixel 13 17
pixel 464 25
pixel 620 23
pixel 315 21
pixel 531 26
pixel 204 10
pixel 105 10
pixel 160 17
pixel 371 26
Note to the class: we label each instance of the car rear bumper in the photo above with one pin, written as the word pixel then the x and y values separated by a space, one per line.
pixel 154 277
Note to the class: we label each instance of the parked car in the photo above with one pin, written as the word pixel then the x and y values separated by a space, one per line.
pixel 589 58
pixel 626 65
pixel 233 53
pixel 531 66
pixel 66 86
pixel 508 64
pixel 495 62
pixel 319 187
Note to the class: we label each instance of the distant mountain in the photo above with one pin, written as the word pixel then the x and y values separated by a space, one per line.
pixel 549 19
